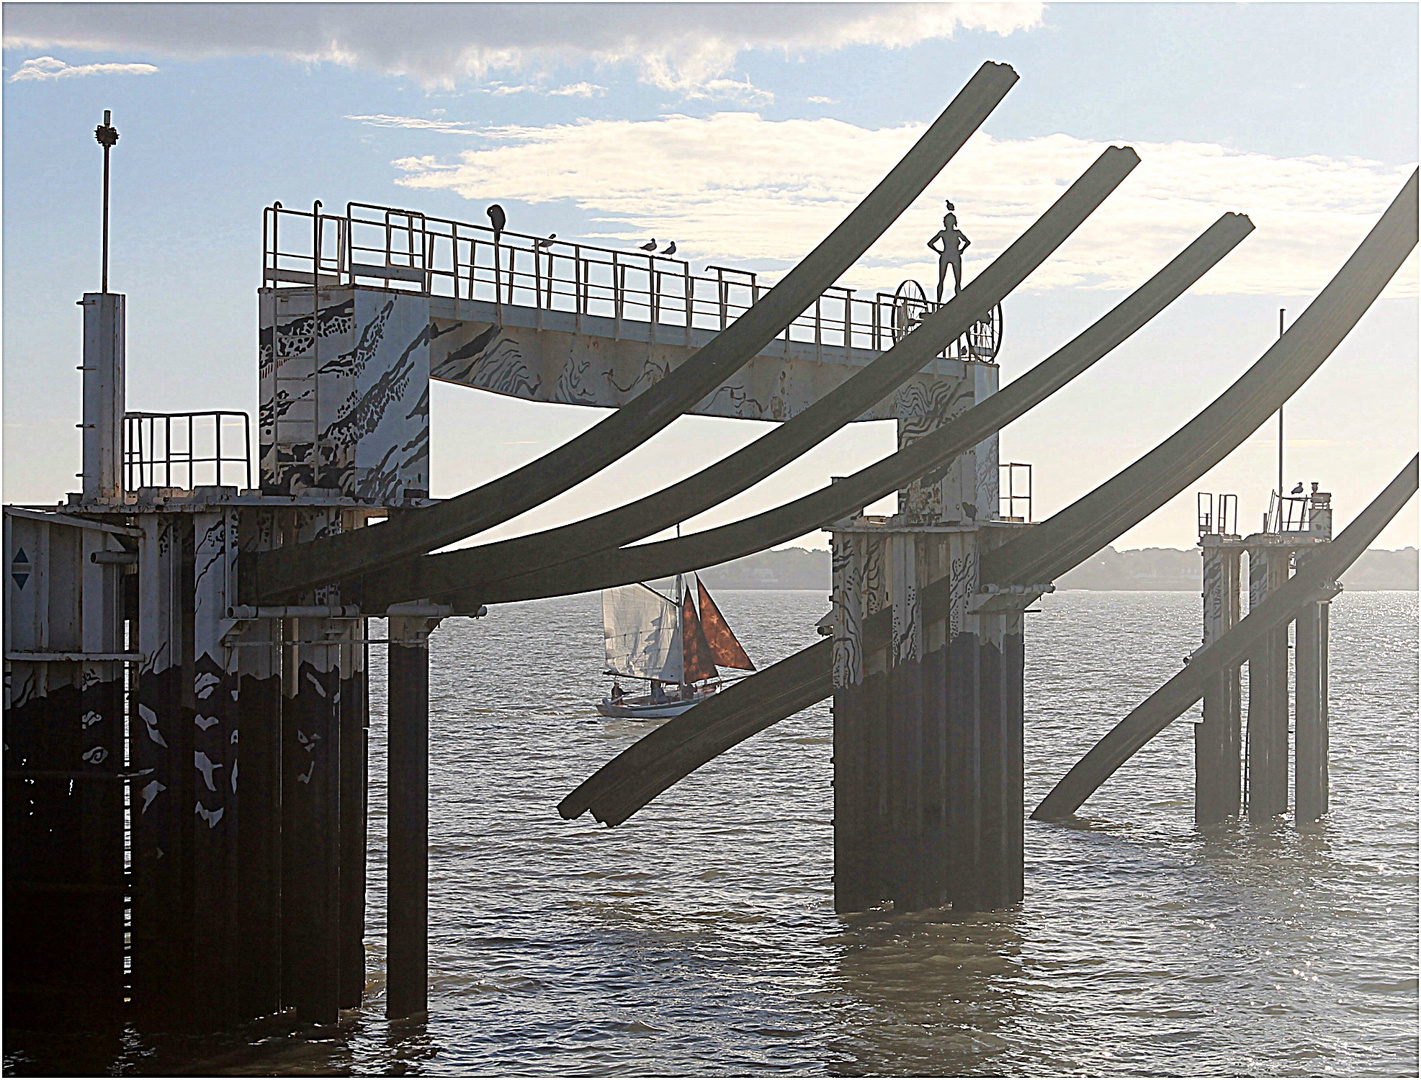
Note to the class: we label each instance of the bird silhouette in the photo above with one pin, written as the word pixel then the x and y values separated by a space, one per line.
pixel 498 219
pixel 650 245
pixel 670 248
pixel 544 243
pixel 1298 490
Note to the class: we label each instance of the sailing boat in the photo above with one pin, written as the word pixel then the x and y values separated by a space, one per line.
pixel 669 643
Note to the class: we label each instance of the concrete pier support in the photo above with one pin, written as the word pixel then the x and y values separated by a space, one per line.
pixel 1311 760
pixel 1218 778
pixel 354 732
pixel 216 870
pixel 162 755
pixel 1268 567
pixel 310 812
pixel 407 951
pixel 927 727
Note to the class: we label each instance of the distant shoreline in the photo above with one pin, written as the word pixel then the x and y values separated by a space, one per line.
pixel 1132 570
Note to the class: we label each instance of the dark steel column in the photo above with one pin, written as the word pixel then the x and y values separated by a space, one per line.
pixel 407 951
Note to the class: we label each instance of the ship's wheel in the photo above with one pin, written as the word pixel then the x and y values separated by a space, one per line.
pixel 984 338
pixel 910 304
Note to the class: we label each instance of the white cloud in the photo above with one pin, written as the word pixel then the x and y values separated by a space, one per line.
pixel 415 123
pixel 47 67
pixel 579 89
pixel 677 47
pixel 816 100
pixel 736 187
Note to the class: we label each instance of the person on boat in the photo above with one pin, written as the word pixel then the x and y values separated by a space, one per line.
pixel 617 692
pixel 658 692
pixel 687 691
pixel 954 243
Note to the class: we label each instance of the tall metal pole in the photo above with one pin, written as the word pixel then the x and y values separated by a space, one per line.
pixel 1280 433
pixel 107 136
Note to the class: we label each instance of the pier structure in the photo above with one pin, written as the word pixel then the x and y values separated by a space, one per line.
pixel 1234 772
pixel 186 755
pixel 187 694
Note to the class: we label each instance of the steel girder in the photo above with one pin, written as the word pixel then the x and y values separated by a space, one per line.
pixel 1315 580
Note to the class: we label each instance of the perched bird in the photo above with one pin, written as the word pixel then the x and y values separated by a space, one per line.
pixel 498 219
pixel 544 243
pixel 670 248
pixel 650 245
pixel 1299 489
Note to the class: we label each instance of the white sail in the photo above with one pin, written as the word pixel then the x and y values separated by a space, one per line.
pixel 643 633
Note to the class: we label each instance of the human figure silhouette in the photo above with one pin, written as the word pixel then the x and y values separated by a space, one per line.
pixel 954 243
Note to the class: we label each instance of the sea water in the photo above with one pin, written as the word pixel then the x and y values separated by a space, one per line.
pixel 700 936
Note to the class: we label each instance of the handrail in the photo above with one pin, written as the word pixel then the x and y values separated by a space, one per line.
pixel 153 445
pixel 397 249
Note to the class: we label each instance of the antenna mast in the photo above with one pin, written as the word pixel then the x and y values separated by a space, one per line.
pixel 107 136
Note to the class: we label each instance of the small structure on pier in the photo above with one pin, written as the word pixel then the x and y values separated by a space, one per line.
pixel 1232 772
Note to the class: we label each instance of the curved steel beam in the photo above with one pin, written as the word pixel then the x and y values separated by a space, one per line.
pixel 1314 581
pixel 1348 295
pixel 1091 522
pixel 288 570
pixel 676 749
pixel 479 566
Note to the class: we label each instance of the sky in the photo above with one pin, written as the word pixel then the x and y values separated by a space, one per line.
pixel 745 133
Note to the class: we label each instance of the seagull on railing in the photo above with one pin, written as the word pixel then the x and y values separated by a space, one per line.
pixel 1298 490
pixel 650 245
pixel 670 248
pixel 498 219
pixel 544 243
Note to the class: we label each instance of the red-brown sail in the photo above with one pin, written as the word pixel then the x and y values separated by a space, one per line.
pixel 725 649
pixel 697 658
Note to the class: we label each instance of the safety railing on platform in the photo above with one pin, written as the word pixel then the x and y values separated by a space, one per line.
pixel 1014 490
pixel 1217 514
pixel 186 450
pixel 1287 513
pixel 392 248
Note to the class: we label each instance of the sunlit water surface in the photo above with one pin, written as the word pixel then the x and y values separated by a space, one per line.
pixel 700 936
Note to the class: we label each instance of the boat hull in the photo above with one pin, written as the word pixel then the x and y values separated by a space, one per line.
pixel 643 709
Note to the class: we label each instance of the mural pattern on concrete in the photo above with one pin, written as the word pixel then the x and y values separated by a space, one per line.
pixel 345 393
pixel 592 369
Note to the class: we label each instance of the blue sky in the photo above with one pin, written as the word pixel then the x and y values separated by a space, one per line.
pixel 745 133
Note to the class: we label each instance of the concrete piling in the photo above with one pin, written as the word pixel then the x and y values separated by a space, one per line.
pixel 1218 777
pixel 1268 692
pixel 407 952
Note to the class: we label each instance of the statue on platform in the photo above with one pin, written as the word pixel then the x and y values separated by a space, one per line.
pixel 954 242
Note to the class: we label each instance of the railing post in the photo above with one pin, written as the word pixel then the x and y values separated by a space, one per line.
pixel 538 284
pixel 619 283
pixel 818 330
pixel 690 289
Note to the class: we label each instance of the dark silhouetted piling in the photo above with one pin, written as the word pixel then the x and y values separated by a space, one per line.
pixel 407 951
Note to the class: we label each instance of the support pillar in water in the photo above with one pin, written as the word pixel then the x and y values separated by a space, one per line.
pixel 1218 779
pixel 407 949
pixel 927 726
pixel 1268 691
pixel 310 811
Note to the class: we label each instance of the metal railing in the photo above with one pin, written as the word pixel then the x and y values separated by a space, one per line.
pixel 1287 513
pixel 1217 514
pixel 391 248
pixel 1012 499
pixel 185 450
